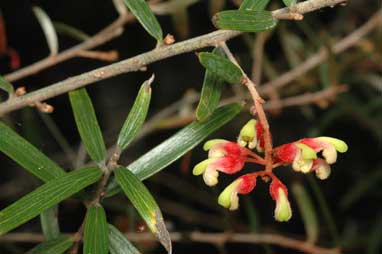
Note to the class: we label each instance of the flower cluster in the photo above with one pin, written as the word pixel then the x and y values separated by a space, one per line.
pixel 302 154
pixel 230 157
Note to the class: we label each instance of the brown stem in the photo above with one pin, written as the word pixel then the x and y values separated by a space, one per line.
pixel 212 238
pixel 342 45
pixel 258 102
pixel 140 61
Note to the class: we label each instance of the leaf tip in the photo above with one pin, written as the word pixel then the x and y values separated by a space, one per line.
pixel 162 232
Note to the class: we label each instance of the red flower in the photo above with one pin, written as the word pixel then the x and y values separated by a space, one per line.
pixel 279 193
pixel 223 156
pixel 302 154
pixel 243 185
pixel 252 134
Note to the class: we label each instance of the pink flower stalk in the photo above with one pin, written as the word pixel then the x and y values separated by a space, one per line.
pixel 242 185
pixel 223 156
pixel 302 154
pixel 279 193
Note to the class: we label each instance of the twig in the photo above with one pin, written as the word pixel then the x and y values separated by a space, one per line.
pixel 342 45
pixel 107 56
pixel 140 61
pixel 306 98
pixel 108 33
pixel 258 50
pixel 259 110
pixel 213 238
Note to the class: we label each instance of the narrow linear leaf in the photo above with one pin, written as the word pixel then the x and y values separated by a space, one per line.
pixel 145 204
pixel 289 2
pixel 48 29
pixel 252 214
pixel 96 234
pixel 254 5
pixel 324 208
pixel 142 12
pixel 361 188
pixel 70 31
pixel 374 245
pixel 49 223
pixel 87 124
pixel 28 156
pixel 221 67
pixel 307 211
pixel 45 196
pixel 55 246
pixel 245 21
pixel 176 146
pixel 171 6
pixel 137 115
pixel 6 86
pixel 118 244
pixel 210 95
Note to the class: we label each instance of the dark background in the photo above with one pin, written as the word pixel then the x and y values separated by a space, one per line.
pixel 352 194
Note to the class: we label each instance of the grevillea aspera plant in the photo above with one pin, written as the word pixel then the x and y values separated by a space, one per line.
pixel 230 157
pixel 106 177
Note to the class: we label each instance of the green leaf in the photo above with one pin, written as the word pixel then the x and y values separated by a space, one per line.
pixel 55 246
pixel 6 86
pixel 87 124
pixel 307 211
pixel 244 21
pixel 180 143
pixel 49 223
pixel 360 189
pixel 221 67
pixel 45 196
pixel 254 5
pixel 374 243
pixel 137 115
pixel 210 95
pixel 96 234
pixel 70 31
pixel 48 29
pixel 28 156
pixel 323 205
pixel 289 2
pixel 145 204
pixel 118 244
pixel 142 12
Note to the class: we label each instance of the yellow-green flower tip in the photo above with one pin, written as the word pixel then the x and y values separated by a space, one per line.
pixel 225 198
pixel 340 145
pixel 283 212
pixel 248 132
pixel 307 152
pixel 201 167
pixel 210 143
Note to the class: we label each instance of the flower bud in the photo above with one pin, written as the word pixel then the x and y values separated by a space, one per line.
pixel 248 135
pixel 243 185
pixel 279 193
pixel 210 167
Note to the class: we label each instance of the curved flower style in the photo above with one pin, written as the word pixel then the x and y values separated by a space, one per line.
pixel 243 185
pixel 279 193
pixel 252 135
pixel 302 154
pixel 223 156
